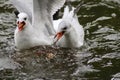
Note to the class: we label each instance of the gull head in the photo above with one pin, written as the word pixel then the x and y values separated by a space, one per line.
pixel 63 29
pixel 21 21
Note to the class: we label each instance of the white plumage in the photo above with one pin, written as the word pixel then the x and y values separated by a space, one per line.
pixel 37 29
pixel 69 31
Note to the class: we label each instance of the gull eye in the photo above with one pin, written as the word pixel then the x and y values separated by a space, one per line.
pixel 25 18
pixel 17 22
pixel 64 28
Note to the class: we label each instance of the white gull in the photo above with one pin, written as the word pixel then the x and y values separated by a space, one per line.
pixel 69 32
pixel 34 23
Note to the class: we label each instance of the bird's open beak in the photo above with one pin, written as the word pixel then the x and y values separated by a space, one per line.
pixel 58 36
pixel 21 25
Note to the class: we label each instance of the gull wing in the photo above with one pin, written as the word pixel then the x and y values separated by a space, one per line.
pixel 43 11
pixel 24 6
pixel 54 5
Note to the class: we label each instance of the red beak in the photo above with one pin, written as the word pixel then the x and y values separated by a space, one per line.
pixel 59 35
pixel 21 25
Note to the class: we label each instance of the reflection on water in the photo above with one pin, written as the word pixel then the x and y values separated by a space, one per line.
pixel 98 59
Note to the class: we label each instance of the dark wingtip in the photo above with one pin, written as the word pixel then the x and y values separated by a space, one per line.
pixel 16 12
pixel 82 2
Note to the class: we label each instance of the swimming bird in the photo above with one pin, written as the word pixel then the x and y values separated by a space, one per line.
pixel 34 23
pixel 69 32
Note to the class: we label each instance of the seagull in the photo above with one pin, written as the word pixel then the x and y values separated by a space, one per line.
pixel 69 32
pixel 34 22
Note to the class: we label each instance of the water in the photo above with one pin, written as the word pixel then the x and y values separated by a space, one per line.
pixel 98 59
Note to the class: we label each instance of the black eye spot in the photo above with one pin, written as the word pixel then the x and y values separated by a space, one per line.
pixel 16 13
pixel 25 18
pixel 64 28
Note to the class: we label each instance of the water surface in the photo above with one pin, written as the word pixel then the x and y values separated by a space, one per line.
pixel 98 59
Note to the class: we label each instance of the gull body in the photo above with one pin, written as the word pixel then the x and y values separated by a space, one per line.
pixel 28 36
pixel 69 31
pixel 34 23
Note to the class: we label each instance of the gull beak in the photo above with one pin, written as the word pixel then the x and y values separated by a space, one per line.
pixel 58 36
pixel 21 25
